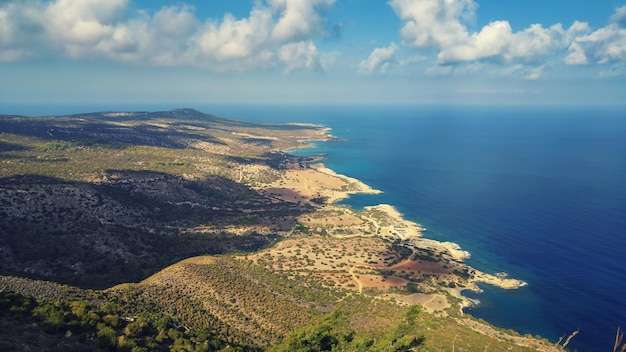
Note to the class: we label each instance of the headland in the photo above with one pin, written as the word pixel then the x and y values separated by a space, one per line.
pixel 374 250
pixel 210 221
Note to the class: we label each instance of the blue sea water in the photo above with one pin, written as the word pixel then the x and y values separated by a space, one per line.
pixel 539 193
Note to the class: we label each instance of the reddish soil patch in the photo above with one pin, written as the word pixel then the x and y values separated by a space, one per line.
pixel 424 267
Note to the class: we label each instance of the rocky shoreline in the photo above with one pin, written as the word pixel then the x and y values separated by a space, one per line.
pixel 317 181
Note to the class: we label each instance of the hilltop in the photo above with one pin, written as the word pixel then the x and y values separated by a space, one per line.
pixel 208 222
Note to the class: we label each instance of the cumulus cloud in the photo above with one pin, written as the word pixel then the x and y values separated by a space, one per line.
pixel 606 45
pixel 619 17
pixel 171 36
pixel 234 40
pixel 443 25
pixel 576 55
pixel 304 55
pixel 380 60
pixel 434 22
pixel 77 23
pixel 19 23
pixel 299 19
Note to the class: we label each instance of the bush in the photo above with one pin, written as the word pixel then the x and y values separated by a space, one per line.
pixel 106 337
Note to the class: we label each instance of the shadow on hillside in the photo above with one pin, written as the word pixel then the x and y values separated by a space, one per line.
pixel 10 147
pixel 90 131
pixel 281 160
pixel 132 225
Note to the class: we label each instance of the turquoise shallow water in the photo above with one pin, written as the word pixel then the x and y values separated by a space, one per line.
pixel 538 193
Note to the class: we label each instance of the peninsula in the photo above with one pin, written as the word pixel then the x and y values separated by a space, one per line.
pixel 211 223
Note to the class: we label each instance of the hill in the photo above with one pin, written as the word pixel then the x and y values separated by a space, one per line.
pixel 184 217
pixel 99 199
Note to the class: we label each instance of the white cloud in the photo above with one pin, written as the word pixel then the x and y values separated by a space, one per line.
pixel 234 39
pixel 299 19
pixel 576 55
pixel 19 24
pixel 535 43
pixel 490 42
pixel 80 25
pixel 158 40
pixel 606 45
pixel 171 36
pixel 6 30
pixel 176 22
pixel 380 60
pixel 434 22
pixel 534 73
pixel 284 33
pixel 619 17
pixel 303 55
pixel 443 25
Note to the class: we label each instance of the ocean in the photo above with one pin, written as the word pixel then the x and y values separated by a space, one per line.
pixel 539 193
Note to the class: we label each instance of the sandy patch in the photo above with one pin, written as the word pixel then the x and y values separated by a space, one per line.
pixel 434 302
pixel 317 182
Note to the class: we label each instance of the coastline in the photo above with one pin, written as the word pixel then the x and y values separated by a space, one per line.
pixel 499 238
pixel 322 187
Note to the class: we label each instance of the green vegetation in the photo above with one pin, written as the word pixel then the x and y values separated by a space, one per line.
pixel 243 304
pixel 332 333
pixel 98 236
pixel 106 328
pixel 165 205
pixel 137 223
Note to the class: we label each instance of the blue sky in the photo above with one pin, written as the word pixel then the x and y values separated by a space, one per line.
pixel 435 52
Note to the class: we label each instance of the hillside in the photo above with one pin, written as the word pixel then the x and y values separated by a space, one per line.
pixel 99 199
pixel 206 222
pixel 244 304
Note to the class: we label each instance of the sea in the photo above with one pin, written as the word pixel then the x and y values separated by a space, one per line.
pixel 536 192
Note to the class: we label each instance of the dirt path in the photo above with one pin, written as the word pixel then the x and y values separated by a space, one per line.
pixel 356 279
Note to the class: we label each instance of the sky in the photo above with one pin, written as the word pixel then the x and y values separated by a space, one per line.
pixel 431 52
